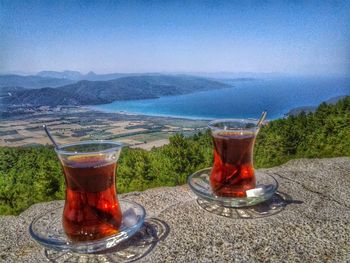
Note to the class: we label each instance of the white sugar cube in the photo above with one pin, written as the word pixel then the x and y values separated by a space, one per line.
pixel 259 191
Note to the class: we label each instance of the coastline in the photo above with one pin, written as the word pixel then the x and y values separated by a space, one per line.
pixel 140 114
pixel 295 110
pixel 22 125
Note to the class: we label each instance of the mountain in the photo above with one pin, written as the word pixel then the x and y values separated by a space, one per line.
pixel 94 77
pixel 125 88
pixel 76 75
pixel 32 82
pixel 53 79
pixel 308 109
pixel 296 111
pixel 67 74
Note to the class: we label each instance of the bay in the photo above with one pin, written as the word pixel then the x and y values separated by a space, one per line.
pixel 246 99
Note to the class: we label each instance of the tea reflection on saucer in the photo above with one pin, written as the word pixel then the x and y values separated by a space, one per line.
pixel 271 207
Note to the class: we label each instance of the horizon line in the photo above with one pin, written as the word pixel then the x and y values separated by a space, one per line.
pixel 223 72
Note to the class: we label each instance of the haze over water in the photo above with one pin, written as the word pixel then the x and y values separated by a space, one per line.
pixel 246 99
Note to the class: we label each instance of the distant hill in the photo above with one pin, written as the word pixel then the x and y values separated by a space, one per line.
pixel 53 79
pixel 296 111
pixel 67 74
pixel 76 75
pixel 32 82
pixel 94 77
pixel 124 88
pixel 220 76
pixel 307 109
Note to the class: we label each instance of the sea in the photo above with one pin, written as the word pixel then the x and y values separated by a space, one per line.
pixel 245 99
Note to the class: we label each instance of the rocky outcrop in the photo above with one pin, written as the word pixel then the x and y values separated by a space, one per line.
pixel 307 221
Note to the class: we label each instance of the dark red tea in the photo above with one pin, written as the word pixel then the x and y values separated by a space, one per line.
pixel 91 209
pixel 232 173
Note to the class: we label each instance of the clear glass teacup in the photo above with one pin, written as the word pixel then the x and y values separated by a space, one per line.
pixel 91 209
pixel 233 172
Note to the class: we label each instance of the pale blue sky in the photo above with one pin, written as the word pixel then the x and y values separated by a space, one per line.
pixel 296 37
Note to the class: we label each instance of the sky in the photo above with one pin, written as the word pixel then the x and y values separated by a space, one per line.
pixel 293 37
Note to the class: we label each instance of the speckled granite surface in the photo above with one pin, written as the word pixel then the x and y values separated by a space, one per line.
pixel 308 221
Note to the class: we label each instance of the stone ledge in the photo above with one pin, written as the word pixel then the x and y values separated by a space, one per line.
pixel 312 225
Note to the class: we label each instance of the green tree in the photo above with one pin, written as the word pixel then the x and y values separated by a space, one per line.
pixel 33 174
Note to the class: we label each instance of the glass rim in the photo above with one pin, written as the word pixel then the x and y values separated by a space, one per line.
pixel 211 124
pixel 115 146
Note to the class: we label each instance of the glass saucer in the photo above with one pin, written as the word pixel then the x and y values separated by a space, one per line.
pixel 266 186
pixel 48 231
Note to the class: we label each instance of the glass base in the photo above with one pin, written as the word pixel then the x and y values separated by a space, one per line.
pixel 138 246
pixel 48 231
pixel 266 186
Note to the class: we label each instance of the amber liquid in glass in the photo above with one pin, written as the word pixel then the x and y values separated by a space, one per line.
pixel 232 173
pixel 91 209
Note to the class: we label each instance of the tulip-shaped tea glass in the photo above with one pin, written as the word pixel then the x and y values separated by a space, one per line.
pixel 91 209
pixel 232 173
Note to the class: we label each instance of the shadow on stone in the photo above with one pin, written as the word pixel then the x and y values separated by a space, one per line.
pixel 137 247
pixel 268 208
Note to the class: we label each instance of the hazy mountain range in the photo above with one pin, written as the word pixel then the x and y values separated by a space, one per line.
pixel 76 75
pixel 32 82
pixel 54 79
pixel 49 88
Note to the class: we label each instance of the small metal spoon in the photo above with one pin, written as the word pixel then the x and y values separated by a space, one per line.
pixel 50 136
pixel 262 118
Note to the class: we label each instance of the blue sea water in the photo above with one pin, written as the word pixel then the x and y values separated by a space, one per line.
pixel 246 99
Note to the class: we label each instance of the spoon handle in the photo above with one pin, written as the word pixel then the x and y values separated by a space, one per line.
pixel 49 135
pixel 262 118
